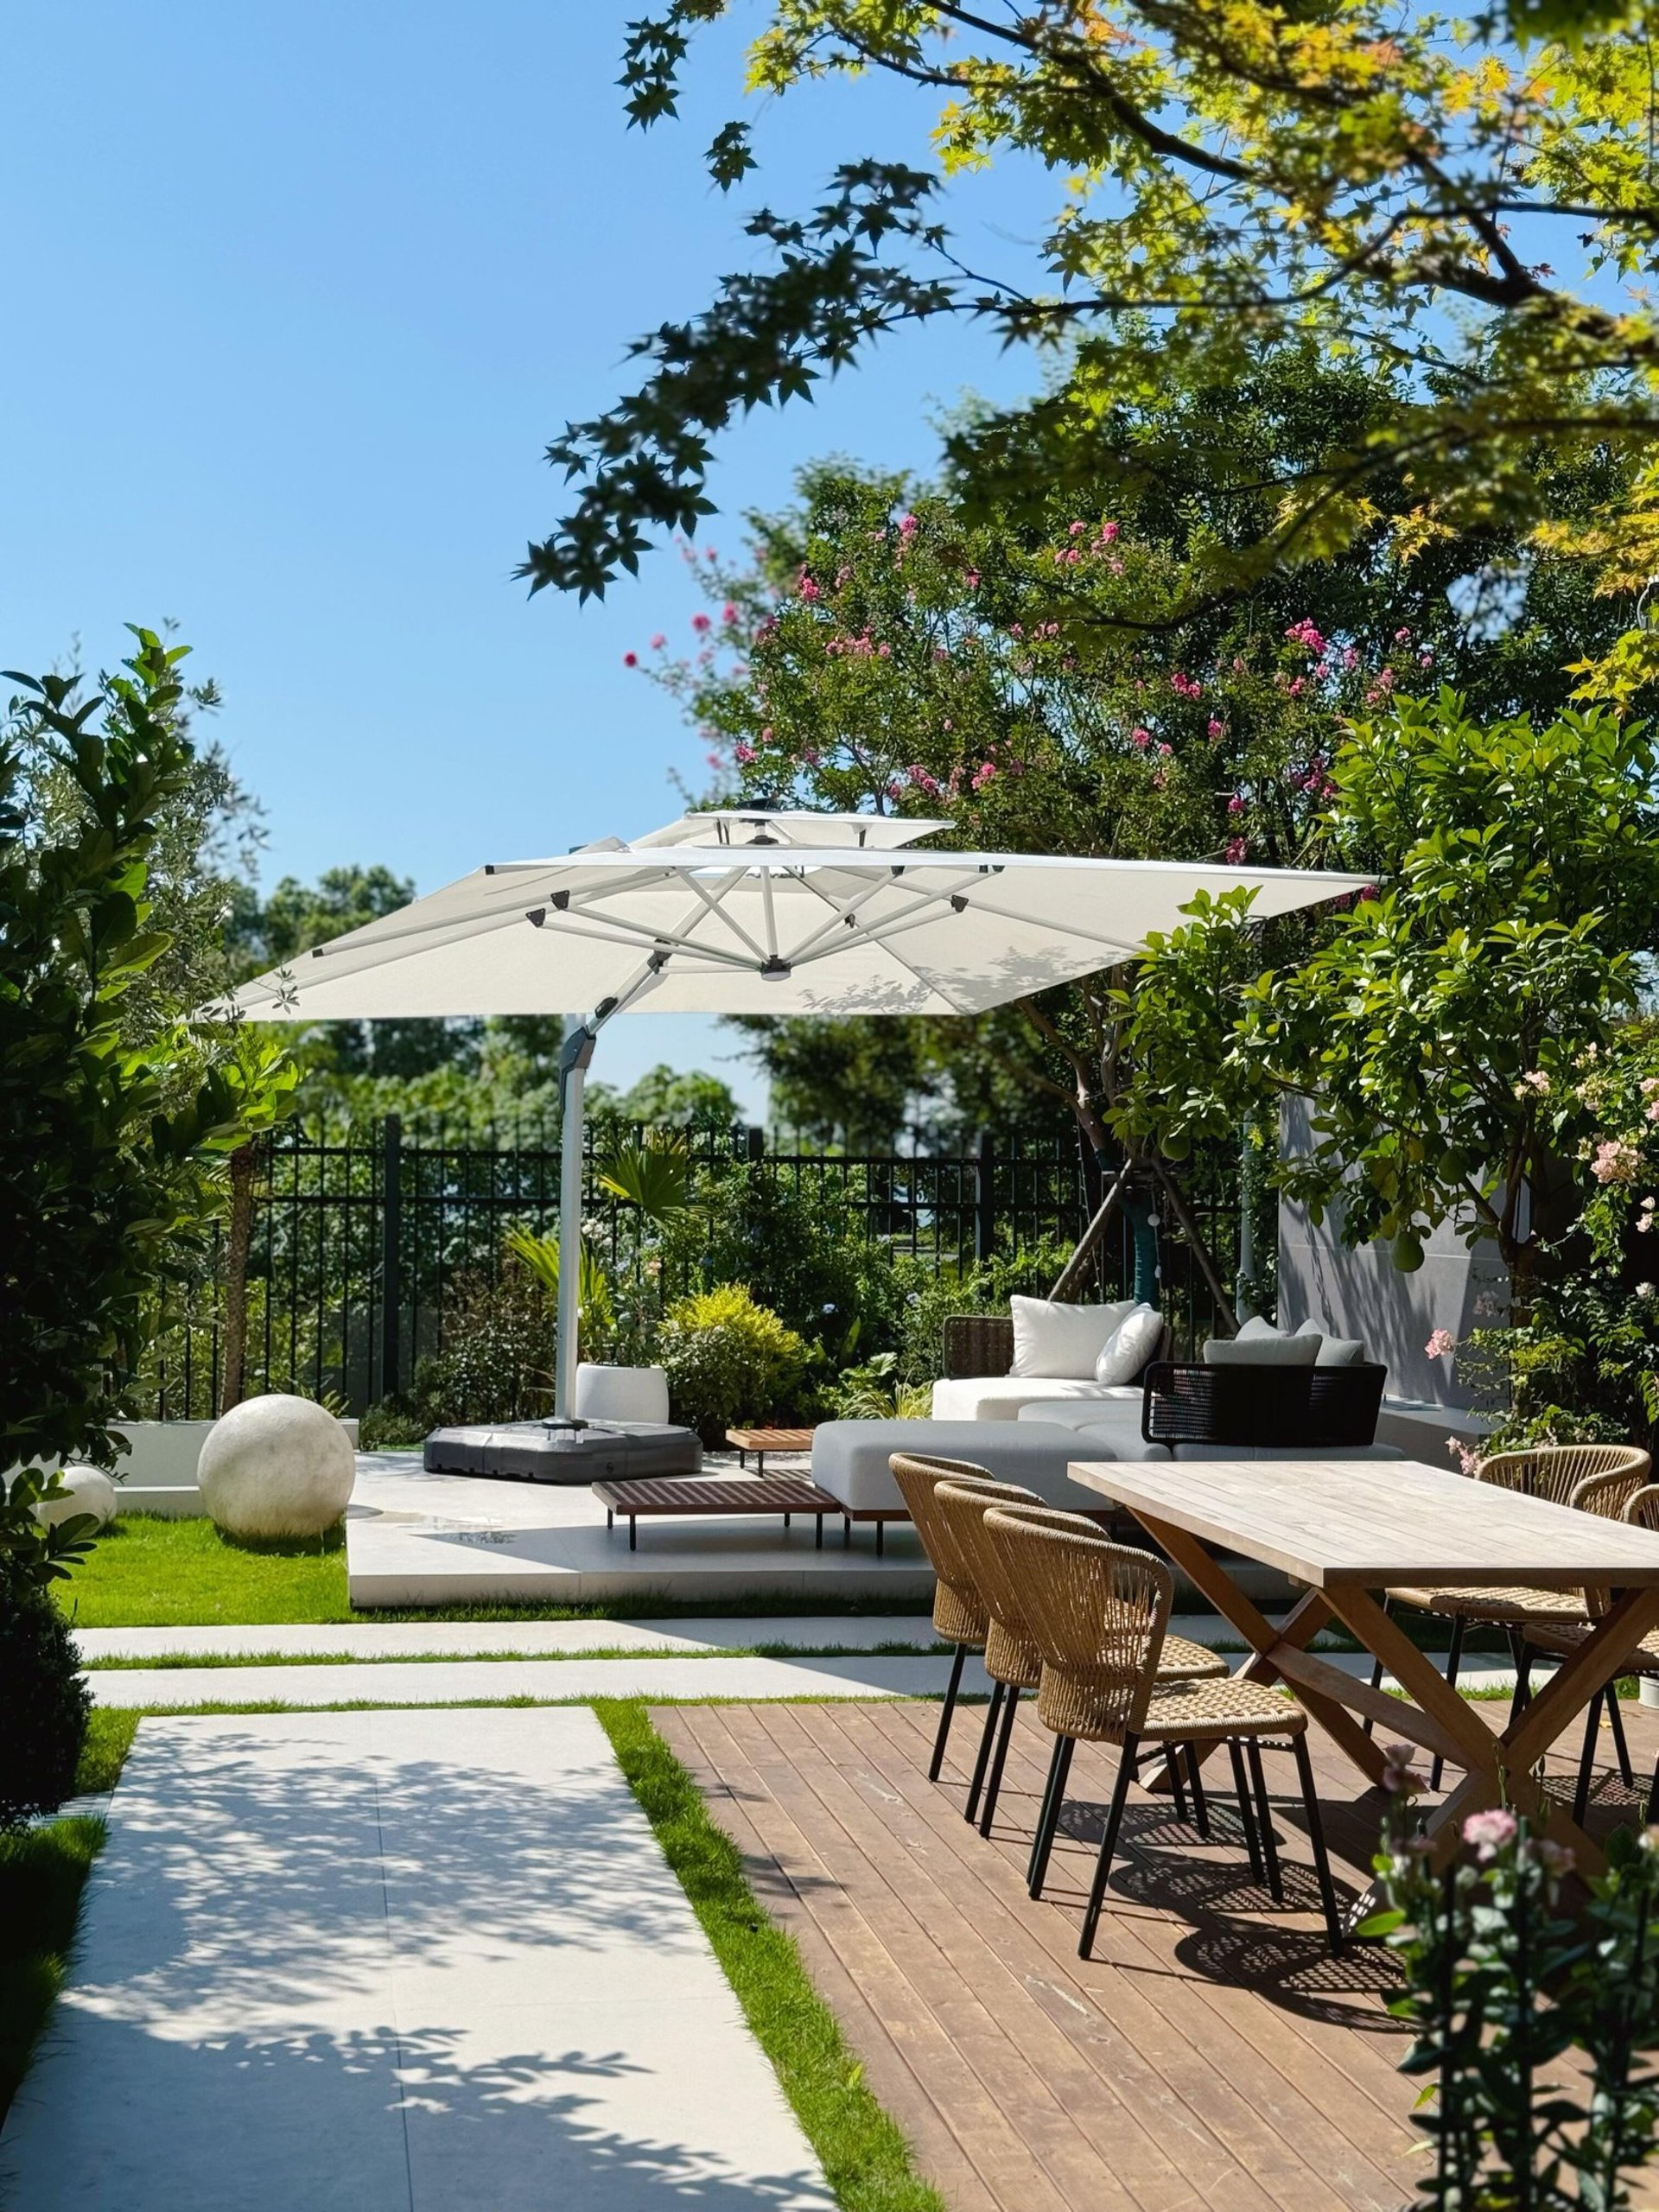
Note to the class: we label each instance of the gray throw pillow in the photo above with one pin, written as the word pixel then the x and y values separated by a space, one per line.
pixel 1273 1351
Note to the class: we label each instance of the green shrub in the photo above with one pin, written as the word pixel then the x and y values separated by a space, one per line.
pixel 45 1705
pixel 728 1360
pixel 924 1298
pixel 803 1249
pixel 497 1355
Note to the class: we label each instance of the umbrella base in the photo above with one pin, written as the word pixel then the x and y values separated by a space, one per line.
pixel 565 1452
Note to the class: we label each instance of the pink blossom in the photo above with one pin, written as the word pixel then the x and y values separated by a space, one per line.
pixel 1441 1342
pixel 907 526
pixel 1558 1858
pixel 1237 849
pixel 1402 637
pixel 1216 728
pixel 766 735
pixel 1616 1161
pixel 1139 737
pixel 714 760
pixel 630 660
pixel 1467 1457
pixel 709 554
pixel 1535 1079
pixel 1235 803
pixel 1164 751
pixel 1398 1774
pixel 1489 1833
pixel 809 591
pixel 985 774
pixel 1108 533
pixel 700 623
pixel 1076 528
pixel 728 613
pixel 1653 1109
pixel 743 753
pixel 1297 685
pixel 1351 658
pixel 1305 632
pixel 971 579
pixel 658 642
pixel 1016 630
pixel 1183 687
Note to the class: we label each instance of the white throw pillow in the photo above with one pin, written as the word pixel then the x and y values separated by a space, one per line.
pixel 1273 1351
pixel 1131 1344
pixel 1254 1327
pixel 1334 1352
pixel 1052 1339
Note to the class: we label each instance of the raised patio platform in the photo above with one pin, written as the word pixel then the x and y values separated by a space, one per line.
pixel 419 1539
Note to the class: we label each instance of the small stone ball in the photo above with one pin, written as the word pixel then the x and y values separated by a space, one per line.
pixel 277 1467
pixel 90 1491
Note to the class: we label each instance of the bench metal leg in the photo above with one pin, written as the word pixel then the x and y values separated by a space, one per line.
pixel 633 1534
pixel 880 1537
pixel 610 1519
pixel 818 1541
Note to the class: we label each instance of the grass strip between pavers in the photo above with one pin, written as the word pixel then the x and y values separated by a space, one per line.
pixel 864 2154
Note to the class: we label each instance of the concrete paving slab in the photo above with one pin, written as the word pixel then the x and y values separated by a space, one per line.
pixel 393 1962
pixel 373 1639
pixel 478 1681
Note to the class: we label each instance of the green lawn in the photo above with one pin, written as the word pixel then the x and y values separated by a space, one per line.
pixel 145 1573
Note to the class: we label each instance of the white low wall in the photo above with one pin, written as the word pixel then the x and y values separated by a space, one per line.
pixel 158 1473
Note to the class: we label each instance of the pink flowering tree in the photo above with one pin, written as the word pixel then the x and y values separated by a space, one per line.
pixel 1436 1039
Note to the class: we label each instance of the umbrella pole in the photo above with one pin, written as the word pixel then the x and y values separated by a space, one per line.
pixel 570 1147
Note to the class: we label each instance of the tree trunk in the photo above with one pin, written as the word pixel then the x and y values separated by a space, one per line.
pixel 1201 1251
pixel 233 1373
pixel 1072 1273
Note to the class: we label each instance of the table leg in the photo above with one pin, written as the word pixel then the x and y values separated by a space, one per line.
pixel 1301 1625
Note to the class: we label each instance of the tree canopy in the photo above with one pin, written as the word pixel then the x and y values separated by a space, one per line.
pixel 1472 208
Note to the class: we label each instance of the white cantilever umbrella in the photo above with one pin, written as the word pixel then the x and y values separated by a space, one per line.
pixel 736 912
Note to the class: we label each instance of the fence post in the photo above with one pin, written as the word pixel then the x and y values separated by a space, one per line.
pixel 755 1142
pixel 985 1198
pixel 391 1244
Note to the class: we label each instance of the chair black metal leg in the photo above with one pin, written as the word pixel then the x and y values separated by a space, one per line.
pixel 1053 1806
pixel 992 1711
pixel 952 1687
pixel 993 1787
pixel 1177 1784
pixel 1264 1810
pixel 1316 1837
pixel 1586 1761
pixel 1246 1815
pixel 1621 1749
pixel 1453 1660
pixel 1200 1807
pixel 1108 1846
pixel 1376 1665
pixel 1521 1654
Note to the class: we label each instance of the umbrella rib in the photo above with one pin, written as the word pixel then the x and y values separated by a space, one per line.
pixel 715 905
pixel 915 893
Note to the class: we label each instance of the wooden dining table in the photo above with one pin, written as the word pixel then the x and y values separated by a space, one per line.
pixel 1348 1530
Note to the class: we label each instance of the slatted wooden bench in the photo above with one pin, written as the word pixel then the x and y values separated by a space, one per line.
pixel 681 1496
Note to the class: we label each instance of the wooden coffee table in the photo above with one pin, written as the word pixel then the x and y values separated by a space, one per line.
pixel 762 1440
pixel 681 1496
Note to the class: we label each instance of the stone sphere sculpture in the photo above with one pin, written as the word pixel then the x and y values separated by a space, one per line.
pixel 277 1467
pixel 90 1491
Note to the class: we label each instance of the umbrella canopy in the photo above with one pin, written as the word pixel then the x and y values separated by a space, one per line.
pixel 738 912
pixel 759 913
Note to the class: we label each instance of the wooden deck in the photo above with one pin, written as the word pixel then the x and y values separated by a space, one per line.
pixel 1209 2058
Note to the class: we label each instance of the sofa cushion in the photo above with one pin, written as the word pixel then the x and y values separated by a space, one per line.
pixel 1334 1352
pixel 1134 1341
pixel 1269 1349
pixel 1001 1397
pixel 1054 1337
pixel 850 1458
pixel 1107 1406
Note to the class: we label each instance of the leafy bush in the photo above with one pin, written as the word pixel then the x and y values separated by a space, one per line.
pixel 803 1249
pixel 876 1391
pixel 728 1360
pixel 497 1360
pixel 390 1427
pixel 47 1706
pixel 924 1300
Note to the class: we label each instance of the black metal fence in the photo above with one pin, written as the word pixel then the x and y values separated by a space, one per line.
pixel 358 1234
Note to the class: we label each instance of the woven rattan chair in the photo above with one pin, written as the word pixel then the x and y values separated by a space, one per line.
pixel 959 1614
pixel 1013 1656
pixel 1098 1611
pixel 1624 1494
pixel 1567 1474
pixel 958 1507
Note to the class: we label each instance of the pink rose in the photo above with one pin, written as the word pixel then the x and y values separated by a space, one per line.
pixel 1441 1342
pixel 630 660
pixel 700 624
pixel 1487 1833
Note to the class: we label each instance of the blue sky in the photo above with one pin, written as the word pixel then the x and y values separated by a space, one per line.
pixel 298 296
